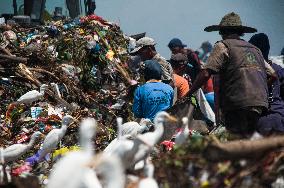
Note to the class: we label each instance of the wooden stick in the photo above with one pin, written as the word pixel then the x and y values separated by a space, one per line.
pixel 13 58
pixel 44 71
pixel 235 150
pixel 6 51
pixel 36 70
pixel 24 71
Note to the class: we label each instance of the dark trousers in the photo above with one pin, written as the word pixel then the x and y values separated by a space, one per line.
pixel 241 121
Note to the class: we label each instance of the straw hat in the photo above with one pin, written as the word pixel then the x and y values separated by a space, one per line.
pixel 231 21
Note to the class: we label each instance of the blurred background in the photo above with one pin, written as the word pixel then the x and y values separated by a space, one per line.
pixel 185 19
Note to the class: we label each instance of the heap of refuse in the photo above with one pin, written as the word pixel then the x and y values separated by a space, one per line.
pixel 83 64
pixel 85 59
pixel 79 67
pixel 204 161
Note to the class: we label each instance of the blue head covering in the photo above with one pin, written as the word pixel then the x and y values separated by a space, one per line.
pixel 175 42
pixel 261 41
pixel 152 70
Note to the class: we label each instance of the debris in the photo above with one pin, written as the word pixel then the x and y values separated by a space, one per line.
pixel 239 149
pixel 84 64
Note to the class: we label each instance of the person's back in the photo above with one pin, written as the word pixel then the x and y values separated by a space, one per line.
pixel 242 76
pixel 156 97
pixel 244 70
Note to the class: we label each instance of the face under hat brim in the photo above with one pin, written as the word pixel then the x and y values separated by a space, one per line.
pixel 244 29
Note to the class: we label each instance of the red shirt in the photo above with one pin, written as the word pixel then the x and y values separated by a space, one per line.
pixel 208 86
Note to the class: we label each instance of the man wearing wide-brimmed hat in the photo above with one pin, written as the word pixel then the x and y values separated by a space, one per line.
pixel 243 78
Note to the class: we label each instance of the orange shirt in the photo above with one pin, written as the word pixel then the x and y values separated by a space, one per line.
pixel 182 85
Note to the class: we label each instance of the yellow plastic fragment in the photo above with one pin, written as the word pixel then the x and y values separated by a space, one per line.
pixel 227 182
pixel 64 150
pixel 205 184
pixel 110 55
pixel 81 31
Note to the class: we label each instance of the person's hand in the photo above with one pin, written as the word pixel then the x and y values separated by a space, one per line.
pixel 131 89
pixel 133 82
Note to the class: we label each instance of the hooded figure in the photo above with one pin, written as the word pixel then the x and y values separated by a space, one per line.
pixel 273 120
pixel 261 41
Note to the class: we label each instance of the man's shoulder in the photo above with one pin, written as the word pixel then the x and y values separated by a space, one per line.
pixel 176 76
pixel 179 78
pixel 277 67
pixel 189 50
pixel 235 42
pixel 219 47
pixel 157 85
pixel 218 57
pixel 160 58
pixel 220 44
pixel 161 84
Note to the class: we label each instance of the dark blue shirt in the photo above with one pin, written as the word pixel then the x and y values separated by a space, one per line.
pixel 151 98
pixel 276 102
pixel 273 119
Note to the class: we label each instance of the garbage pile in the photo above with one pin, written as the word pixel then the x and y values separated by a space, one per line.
pixel 204 161
pixel 76 67
pixel 85 58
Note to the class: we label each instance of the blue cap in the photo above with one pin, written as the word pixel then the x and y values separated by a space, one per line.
pixel 152 70
pixel 175 42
